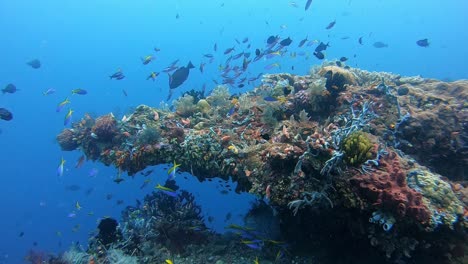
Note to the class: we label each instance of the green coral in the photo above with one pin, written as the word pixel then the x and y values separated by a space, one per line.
pixel 357 148
pixel 438 196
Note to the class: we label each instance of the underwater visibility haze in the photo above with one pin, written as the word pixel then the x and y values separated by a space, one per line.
pixel 229 131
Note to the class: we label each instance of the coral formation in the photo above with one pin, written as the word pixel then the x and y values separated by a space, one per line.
pixel 105 128
pixel 66 140
pixel 290 140
pixel 386 189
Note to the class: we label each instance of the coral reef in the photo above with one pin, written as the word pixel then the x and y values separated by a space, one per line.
pixel 340 144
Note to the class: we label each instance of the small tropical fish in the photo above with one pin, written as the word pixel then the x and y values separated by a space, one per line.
pixel 49 91
pixel 62 104
pixel 229 50
pixel 343 59
pixel 270 99
pixel 147 59
pixel 256 261
pixel 272 40
pixel 10 88
pixel 145 183
pixel 118 180
pixel 60 168
pixel 168 261
pixel 68 117
pixel 379 45
pixel 91 213
pixel 71 215
pixel 331 25
pixel 118 75
pixel 360 40
pixel 307 5
pixel 273 54
pixel 321 47
pixel 215 47
pixel 302 42
pixel 423 43
pixel 152 76
pixel 79 91
pixel 271 66
pixel 166 190
pixel 286 42
pixel 77 206
pixel 35 64
pixel 319 55
pixel 5 114
pixel 80 162
pixel 172 171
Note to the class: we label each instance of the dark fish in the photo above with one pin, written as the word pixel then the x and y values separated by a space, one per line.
pixel 118 75
pixel 5 114
pixel 245 40
pixel 321 47
pixel 308 4
pixel 338 63
pixel 332 24
pixel 319 55
pixel 72 187
pixel 180 76
pixel 119 202
pixel 109 196
pixel 257 52
pixel 118 180
pixel 343 59
pixel 270 99
pixel 21 234
pixel 360 40
pixel 35 64
pixel 229 50
pixel 423 43
pixel 302 42
pixel 240 85
pixel 177 16
pixel 208 55
pixel 10 88
pixel 286 42
pixel 272 39
pixel 379 45
pixel 215 47
pixel 124 92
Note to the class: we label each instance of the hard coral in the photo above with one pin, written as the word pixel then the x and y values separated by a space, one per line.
pixel 66 140
pixel 387 189
pixel 105 128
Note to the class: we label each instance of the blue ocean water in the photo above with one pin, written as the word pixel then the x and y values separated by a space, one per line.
pixel 81 43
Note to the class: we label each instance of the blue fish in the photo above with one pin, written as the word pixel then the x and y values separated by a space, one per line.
pixel 270 99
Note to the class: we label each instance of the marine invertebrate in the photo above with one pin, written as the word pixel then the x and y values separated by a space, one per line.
pixel 357 148
pixel 67 140
pixel 185 106
pixel 386 189
pixel 105 128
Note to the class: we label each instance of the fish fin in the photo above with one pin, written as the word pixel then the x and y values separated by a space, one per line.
pixel 190 65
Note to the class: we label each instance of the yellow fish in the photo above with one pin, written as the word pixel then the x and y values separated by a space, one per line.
pixel 78 206
pixel 256 261
pixel 163 188
pixel 168 261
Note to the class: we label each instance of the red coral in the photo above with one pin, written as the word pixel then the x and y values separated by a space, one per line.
pixel 386 188
pixel 105 128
